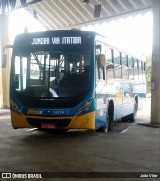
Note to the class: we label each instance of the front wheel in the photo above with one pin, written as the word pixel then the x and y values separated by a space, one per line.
pixel 105 128
pixel 109 119
pixel 110 115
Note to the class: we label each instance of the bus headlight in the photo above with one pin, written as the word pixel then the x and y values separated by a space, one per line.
pixel 85 108
pixel 15 108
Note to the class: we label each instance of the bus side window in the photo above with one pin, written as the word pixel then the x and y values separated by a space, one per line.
pixel 144 70
pixel 124 60
pixel 109 64
pixel 136 73
pixel 101 66
pixel 20 77
pixel 100 58
pixel 140 69
pixel 117 65
pixel 101 73
pixel 131 66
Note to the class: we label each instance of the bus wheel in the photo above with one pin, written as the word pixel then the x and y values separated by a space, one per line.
pixel 105 127
pixel 110 115
pixel 109 119
pixel 132 117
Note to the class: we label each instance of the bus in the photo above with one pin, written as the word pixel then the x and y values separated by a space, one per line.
pixel 72 79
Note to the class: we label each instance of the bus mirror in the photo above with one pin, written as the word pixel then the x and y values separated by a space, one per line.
pixel 4 60
pixel 101 60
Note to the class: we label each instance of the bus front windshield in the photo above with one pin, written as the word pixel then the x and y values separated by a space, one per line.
pixel 44 74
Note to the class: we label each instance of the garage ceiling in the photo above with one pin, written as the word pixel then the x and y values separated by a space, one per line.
pixel 66 14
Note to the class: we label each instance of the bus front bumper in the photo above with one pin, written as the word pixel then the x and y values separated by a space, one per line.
pixel 86 121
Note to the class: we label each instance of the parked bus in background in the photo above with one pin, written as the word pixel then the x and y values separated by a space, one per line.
pixel 72 79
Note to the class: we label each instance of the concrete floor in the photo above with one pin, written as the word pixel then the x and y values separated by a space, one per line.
pixel 129 148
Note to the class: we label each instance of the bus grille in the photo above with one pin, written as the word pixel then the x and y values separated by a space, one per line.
pixel 59 123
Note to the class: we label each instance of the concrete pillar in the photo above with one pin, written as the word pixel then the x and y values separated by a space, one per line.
pixel 4 73
pixel 155 94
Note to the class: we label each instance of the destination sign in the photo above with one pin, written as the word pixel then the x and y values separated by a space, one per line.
pixel 57 41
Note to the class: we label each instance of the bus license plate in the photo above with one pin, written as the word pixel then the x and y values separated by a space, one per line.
pixel 48 126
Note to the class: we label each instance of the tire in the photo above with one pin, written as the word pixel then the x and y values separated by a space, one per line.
pixel 109 119
pixel 103 129
pixel 110 115
pixel 132 117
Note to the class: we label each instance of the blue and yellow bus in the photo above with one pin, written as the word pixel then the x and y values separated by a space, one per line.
pixel 71 79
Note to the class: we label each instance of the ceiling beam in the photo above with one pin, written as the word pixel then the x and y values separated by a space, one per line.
pixel 21 6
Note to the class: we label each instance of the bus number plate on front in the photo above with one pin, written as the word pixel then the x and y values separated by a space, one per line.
pixel 48 126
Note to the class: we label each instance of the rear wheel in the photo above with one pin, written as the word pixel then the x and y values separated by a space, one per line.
pixel 132 117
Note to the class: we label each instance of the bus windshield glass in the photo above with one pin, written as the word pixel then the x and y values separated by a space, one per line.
pixel 46 74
